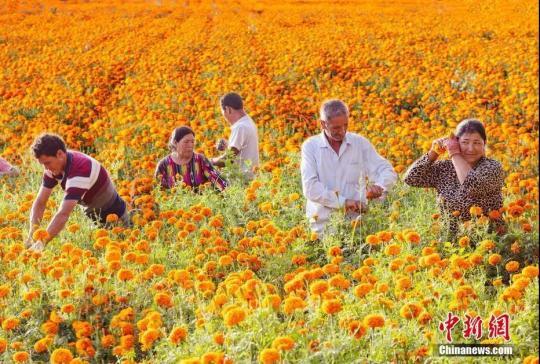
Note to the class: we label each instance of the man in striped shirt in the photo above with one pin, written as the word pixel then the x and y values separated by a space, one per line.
pixel 84 181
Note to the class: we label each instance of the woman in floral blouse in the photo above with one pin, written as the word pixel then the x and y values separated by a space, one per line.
pixel 184 165
pixel 465 180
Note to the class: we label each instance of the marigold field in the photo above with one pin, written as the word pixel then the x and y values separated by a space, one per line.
pixel 237 277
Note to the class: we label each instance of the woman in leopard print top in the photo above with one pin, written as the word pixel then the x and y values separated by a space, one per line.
pixel 467 179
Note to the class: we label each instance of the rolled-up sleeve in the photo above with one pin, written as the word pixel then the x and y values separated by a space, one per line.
pixel 422 173
pixel 486 179
pixel 312 188
pixel 379 170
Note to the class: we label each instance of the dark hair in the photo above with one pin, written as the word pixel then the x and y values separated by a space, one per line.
pixel 48 144
pixel 471 126
pixel 233 100
pixel 178 134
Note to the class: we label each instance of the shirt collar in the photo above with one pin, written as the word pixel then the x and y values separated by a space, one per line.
pixel 323 141
pixel 68 164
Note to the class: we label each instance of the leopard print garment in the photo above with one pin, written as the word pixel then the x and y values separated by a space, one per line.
pixel 482 186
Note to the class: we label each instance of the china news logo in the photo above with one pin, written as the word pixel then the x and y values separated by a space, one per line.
pixel 498 327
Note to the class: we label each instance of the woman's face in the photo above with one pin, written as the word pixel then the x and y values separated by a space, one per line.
pixel 185 146
pixel 472 147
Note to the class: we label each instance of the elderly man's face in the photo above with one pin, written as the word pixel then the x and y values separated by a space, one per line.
pixel 335 128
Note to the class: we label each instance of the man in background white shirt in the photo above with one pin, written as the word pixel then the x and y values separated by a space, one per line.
pixel 335 165
pixel 244 140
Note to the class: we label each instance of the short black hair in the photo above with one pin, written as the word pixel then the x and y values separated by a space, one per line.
pixel 232 99
pixel 471 126
pixel 178 134
pixel 48 144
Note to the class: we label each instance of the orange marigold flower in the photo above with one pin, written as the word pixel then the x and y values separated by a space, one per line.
pixel 125 275
pixel 512 266
pixel 20 357
pixel 374 320
pixel 177 335
pixel 318 287
pixel 412 237
pixel 108 341
pixel 410 310
pixel 373 240
pixel 464 241
pixel 334 251
pixel 234 316
pixel 219 338
pixel 163 299
pixel 494 259
pixel 269 356
pixel 392 249
pixel 40 234
pixel 293 303
pixel 148 337
pixel 283 343
pixel 530 271
pixel 331 306
pixel 10 323
pixel 475 211
pixel 357 329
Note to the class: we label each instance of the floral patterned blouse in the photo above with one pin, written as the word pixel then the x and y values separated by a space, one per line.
pixel 198 171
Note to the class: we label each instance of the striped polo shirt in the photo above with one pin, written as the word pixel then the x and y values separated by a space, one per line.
pixel 84 180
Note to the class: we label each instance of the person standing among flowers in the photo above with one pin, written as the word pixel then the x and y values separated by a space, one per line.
pixel 244 140
pixel 335 165
pixel 467 180
pixel 183 165
pixel 85 182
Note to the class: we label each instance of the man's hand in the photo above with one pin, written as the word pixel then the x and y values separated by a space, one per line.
pixel 38 246
pixel 353 206
pixel 221 145
pixel 374 191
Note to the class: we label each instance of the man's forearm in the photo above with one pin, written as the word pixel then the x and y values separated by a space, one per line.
pixel 36 215
pixel 56 225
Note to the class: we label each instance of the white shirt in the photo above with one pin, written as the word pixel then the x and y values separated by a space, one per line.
pixel 244 137
pixel 328 179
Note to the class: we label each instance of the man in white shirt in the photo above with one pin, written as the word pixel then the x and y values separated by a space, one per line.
pixel 335 165
pixel 243 141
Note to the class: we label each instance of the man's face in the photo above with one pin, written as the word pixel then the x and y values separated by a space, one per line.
pixel 336 127
pixel 226 112
pixel 54 164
